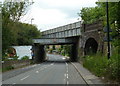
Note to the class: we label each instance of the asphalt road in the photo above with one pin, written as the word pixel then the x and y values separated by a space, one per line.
pixel 55 71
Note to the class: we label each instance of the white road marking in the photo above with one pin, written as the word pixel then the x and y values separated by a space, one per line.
pixel 67 82
pixel 66 64
pixel 44 67
pixel 37 71
pixel 33 65
pixel 24 78
pixel 41 69
pixel 67 76
pixel 63 58
pixel 14 83
pixel 52 64
pixel 67 71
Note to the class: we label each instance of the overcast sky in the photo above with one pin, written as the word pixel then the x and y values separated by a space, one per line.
pixel 49 14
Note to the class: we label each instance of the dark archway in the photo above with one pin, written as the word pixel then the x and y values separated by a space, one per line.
pixel 91 46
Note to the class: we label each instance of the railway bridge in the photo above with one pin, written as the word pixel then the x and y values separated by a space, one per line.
pixel 84 38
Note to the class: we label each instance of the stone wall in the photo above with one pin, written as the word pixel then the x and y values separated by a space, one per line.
pixel 16 64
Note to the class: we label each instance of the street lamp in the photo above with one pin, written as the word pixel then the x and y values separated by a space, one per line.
pixel 31 20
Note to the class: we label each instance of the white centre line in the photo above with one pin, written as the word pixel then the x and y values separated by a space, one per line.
pixel 52 64
pixel 14 83
pixel 37 71
pixel 67 76
pixel 24 78
pixel 66 64
pixel 67 71
pixel 67 82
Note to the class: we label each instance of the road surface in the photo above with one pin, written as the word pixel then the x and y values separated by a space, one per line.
pixel 54 71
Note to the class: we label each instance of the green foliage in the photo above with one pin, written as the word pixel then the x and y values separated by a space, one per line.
pixel 7 68
pixel 97 64
pixel 101 66
pixel 32 62
pixel 15 57
pixel 7 58
pixel 65 50
pixel 90 15
pixel 25 58
pixel 14 32
pixel 26 33
pixel 53 47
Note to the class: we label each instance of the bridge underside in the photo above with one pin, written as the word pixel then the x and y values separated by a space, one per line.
pixel 39 50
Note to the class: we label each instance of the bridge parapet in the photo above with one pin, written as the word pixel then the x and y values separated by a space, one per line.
pixel 69 30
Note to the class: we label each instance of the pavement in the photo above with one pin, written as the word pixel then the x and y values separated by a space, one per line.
pixel 57 70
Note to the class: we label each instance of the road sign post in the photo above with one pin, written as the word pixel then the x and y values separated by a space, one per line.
pixel 108 35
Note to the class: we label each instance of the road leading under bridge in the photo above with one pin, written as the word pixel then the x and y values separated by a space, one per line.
pixel 57 70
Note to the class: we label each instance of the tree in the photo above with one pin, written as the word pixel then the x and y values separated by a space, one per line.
pixel 90 15
pixel 11 13
pixel 26 33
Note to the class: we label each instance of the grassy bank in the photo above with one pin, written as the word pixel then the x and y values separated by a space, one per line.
pixel 7 68
pixel 103 67
pixel 10 67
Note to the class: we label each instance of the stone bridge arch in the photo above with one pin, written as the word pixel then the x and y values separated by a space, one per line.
pixel 93 34
pixel 91 46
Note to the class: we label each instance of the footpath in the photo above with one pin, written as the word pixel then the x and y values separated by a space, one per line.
pixel 90 78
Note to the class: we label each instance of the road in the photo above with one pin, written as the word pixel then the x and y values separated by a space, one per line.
pixel 54 71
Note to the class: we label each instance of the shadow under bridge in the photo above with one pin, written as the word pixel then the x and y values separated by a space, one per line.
pixel 38 47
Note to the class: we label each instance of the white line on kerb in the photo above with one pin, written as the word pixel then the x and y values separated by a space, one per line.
pixel 24 77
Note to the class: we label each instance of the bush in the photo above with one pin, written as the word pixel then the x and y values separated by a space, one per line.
pixel 101 66
pixel 32 62
pixel 25 58
pixel 7 68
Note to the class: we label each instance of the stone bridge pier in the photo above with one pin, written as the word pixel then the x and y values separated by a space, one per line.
pixel 39 53
pixel 75 51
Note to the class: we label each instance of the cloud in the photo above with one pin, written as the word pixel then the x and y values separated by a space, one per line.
pixel 49 14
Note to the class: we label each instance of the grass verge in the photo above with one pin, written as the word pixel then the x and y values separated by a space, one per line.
pixel 103 67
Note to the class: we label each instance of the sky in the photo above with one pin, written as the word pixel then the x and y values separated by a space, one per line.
pixel 49 14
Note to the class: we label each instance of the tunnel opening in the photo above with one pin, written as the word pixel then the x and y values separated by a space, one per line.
pixel 63 50
pixel 91 46
pixel 67 51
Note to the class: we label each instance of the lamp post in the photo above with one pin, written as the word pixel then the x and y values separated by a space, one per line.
pixel 108 30
pixel 31 20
